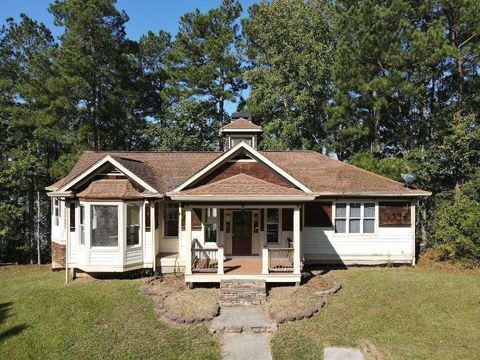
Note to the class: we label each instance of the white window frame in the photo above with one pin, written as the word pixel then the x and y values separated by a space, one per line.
pixel 140 222
pixel 205 222
pixel 361 218
pixel 120 225
pixel 81 224
pixel 279 222
pixel 164 223
pixel 252 141
pixel 57 211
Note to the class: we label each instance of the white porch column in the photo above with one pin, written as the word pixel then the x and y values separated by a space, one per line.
pixel 220 255
pixel 153 216
pixel 296 241
pixel 264 260
pixel 188 236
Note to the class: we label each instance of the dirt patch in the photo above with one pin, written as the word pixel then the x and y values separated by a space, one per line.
pixel 431 259
pixel 192 303
pixel 177 304
pixel 290 303
pixel 369 351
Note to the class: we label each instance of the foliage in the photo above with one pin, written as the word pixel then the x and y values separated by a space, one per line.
pixel 456 224
pixel 390 167
pixel 206 65
pixel 290 49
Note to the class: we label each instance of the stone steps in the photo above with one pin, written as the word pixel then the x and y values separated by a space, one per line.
pixel 242 292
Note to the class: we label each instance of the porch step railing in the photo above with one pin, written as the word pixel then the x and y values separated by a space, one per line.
pixel 280 259
pixel 206 260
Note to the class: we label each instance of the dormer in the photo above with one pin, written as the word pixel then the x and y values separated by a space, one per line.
pixel 241 128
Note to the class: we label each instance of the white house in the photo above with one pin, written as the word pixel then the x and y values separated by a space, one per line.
pixel 237 214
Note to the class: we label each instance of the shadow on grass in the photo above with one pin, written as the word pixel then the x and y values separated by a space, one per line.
pixel 5 309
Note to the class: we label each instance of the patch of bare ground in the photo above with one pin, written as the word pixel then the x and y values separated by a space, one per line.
pixel 180 305
pixel 290 303
pixel 369 351
pixel 432 259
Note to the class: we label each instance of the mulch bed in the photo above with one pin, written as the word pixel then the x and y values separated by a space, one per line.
pixel 178 304
pixel 289 303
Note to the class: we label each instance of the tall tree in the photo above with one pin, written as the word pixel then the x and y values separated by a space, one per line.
pixel 290 46
pixel 25 149
pixel 205 61
pixel 97 74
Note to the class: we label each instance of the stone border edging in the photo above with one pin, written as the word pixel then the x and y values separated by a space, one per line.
pixel 175 319
pixel 308 313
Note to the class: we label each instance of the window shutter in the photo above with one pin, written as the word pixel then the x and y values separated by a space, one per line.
pixel 318 214
pixel 394 213
pixel 197 219
pixel 287 219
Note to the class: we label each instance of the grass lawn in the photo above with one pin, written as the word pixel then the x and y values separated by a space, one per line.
pixel 41 317
pixel 405 313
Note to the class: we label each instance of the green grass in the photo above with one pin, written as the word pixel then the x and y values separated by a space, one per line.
pixel 41 317
pixel 405 313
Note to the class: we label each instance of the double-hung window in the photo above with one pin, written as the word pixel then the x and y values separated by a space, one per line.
pixel 170 219
pixel 272 225
pixel 210 225
pixel 82 224
pixel 355 218
pixel 56 211
pixel 133 224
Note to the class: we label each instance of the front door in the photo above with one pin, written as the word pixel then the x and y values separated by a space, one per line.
pixel 242 233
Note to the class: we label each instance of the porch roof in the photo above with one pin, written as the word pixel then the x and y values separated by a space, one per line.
pixel 110 189
pixel 241 186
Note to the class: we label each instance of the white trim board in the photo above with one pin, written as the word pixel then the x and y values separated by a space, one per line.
pixel 231 153
pixel 101 162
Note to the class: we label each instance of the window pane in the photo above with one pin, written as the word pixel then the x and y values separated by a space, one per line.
pixel 341 210
pixel 82 225
pixel 170 220
pixel 340 226
pixel 354 210
pixel 104 225
pixel 133 225
pixel 210 232
pixel 369 210
pixel 272 233
pixel 147 217
pixel 369 226
pixel 272 216
pixel 354 226
pixel 272 225
pixel 238 140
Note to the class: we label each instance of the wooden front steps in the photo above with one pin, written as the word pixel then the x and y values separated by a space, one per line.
pixel 242 292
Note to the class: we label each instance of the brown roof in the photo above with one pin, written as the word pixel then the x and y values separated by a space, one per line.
pixel 165 171
pixel 242 124
pixel 323 174
pixel 162 170
pixel 110 189
pixel 242 184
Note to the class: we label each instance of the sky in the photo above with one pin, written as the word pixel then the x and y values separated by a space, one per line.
pixel 144 15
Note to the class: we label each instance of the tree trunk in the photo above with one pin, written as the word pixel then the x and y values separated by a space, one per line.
pixel 39 260
pixel 30 219
pixel 377 146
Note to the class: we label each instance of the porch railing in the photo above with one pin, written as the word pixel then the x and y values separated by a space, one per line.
pixel 206 260
pixel 280 259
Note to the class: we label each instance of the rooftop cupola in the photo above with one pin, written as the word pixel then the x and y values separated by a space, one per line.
pixel 241 128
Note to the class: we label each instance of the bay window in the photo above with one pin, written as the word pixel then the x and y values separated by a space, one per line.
pixel 104 225
pixel 355 217
pixel 133 224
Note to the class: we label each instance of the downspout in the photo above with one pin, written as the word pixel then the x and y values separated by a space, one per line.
pixel 67 246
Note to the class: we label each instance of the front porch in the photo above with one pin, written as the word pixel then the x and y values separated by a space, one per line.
pixel 279 261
